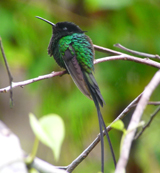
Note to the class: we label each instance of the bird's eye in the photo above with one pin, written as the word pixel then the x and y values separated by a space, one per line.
pixel 65 28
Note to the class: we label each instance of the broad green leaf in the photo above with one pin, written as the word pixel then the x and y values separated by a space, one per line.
pixel 50 131
pixel 38 130
pixel 119 125
pixel 53 126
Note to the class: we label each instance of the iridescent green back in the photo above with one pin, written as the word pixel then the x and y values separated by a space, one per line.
pixel 83 49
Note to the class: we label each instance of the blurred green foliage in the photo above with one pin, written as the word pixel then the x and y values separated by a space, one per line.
pixel 133 23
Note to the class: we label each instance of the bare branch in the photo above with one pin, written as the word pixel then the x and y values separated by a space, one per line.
pixel 148 124
pixel 26 82
pixel 154 103
pixel 136 52
pixel 106 50
pixel 125 150
pixel 43 166
pixel 129 58
pixel 8 71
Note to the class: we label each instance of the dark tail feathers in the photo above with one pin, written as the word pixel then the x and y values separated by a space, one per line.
pixel 93 88
pixel 98 99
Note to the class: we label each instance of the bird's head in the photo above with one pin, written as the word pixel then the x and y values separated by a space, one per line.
pixel 63 28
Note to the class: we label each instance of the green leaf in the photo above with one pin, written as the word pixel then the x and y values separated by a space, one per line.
pixel 53 126
pixel 49 130
pixel 38 130
pixel 119 125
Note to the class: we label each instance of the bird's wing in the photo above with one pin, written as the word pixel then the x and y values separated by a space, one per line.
pixel 75 71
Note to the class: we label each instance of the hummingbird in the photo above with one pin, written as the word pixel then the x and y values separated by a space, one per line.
pixel 73 50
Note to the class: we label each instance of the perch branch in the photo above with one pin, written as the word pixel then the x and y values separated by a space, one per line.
pixel 26 82
pixel 119 56
pixel 125 150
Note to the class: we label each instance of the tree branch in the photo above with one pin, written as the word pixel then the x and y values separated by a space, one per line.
pixel 106 50
pixel 43 166
pixel 125 150
pixel 121 56
pixel 148 124
pixel 154 103
pixel 136 52
pixel 129 58
pixel 26 82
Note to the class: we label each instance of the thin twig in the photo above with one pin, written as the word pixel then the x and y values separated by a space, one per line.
pixel 8 71
pixel 148 124
pixel 129 58
pixel 136 52
pixel 106 50
pixel 154 103
pixel 125 150
pixel 85 153
pixel 149 103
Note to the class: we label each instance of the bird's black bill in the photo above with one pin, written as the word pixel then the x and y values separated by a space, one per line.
pixel 46 20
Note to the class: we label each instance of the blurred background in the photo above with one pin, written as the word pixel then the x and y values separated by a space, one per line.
pixel 133 23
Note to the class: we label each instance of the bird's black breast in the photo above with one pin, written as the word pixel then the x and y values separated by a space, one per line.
pixel 53 50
